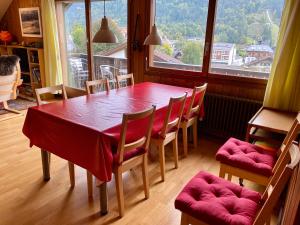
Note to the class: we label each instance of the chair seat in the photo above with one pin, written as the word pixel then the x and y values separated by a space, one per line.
pixel 214 200
pixel 128 155
pixel 247 156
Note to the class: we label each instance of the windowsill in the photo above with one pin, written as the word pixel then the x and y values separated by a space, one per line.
pixel 202 77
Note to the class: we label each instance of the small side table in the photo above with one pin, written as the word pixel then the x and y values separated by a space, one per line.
pixel 270 124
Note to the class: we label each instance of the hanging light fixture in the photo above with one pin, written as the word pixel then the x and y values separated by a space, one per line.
pixel 104 34
pixel 153 38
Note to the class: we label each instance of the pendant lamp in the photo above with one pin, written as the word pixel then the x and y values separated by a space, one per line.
pixel 104 34
pixel 153 38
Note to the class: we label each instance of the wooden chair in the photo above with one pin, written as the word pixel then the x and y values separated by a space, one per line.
pixel 169 132
pixel 54 89
pixel 130 155
pixel 232 169
pixel 8 89
pixel 190 117
pixel 260 207
pixel 99 83
pixel 127 77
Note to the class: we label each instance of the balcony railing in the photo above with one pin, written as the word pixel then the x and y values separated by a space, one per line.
pixel 79 74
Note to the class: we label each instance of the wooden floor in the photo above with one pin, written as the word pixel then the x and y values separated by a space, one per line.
pixel 26 199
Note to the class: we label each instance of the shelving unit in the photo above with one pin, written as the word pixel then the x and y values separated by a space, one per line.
pixel 32 67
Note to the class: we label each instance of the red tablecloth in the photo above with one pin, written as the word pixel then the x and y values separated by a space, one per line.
pixel 81 129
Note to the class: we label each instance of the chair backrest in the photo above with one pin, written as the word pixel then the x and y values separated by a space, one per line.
pixel 78 64
pixel 144 141
pixel 172 122
pixel 127 77
pixel 287 142
pixel 46 90
pixel 9 84
pixel 277 185
pixel 96 83
pixel 109 72
pixel 193 108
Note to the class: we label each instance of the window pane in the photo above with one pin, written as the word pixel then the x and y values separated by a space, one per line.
pixel 182 26
pixel 110 59
pixel 75 41
pixel 245 37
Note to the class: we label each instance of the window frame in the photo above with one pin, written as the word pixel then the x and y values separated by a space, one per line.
pixel 89 43
pixel 204 75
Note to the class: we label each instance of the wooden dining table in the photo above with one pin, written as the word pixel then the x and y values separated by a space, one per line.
pixel 81 129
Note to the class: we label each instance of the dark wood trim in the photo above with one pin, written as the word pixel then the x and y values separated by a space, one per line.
pixel 210 24
pixel 148 50
pixel 210 78
pixel 131 15
pixel 89 43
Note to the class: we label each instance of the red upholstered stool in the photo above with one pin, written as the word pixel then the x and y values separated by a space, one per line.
pixel 246 160
pixel 208 199
pixel 253 162
pixel 214 200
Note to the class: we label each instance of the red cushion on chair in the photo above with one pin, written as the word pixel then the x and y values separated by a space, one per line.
pixel 128 155
pixel 216 201
pixel 247 156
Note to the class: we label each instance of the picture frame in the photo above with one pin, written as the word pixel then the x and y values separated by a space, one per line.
pixel 30 21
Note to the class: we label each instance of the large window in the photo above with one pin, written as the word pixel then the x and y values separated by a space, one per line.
pixel 245 37
pixel 75 47
pixel 182 26
pixel 242 42
pixel 106 60
pixel 110 59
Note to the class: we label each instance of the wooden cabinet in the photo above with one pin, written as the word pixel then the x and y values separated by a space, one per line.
pixel 32 67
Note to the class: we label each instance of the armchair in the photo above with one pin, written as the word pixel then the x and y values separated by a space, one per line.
pixel 10 79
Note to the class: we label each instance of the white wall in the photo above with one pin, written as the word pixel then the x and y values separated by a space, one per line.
pixel 4 6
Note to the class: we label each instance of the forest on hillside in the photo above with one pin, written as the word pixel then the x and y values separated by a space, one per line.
pixel 184 22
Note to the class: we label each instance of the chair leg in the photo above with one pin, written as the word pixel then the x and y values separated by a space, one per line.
pixel 72 174
pixel 195 136
pixel 222 172
pixel 161 151
pixel 89 178
pixel 145 176
pixel 119 190
pixel 185 140
pixel 175 151
pixel 184 219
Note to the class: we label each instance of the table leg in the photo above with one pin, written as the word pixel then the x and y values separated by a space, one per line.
pixel 103 198
pixel 45 163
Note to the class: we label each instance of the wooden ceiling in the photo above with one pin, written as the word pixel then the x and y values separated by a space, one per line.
pixel 3 7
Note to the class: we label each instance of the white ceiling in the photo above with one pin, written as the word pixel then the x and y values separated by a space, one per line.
pixel 4 6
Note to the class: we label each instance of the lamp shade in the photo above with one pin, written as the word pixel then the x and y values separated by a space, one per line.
pixel 104 34
pixel 153 38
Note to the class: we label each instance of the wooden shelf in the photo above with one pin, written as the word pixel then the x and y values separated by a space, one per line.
pixel 35 59
pixel 34 64
pixel 269 125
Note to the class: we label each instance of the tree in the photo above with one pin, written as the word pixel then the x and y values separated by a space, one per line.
pixel 166 48
pixel 192 52
pixel 79 38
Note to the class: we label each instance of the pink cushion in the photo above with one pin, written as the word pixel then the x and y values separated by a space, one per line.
pixel 128 155
pixel 247 156
pixel 214 200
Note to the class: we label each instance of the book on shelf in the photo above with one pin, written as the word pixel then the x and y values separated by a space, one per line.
pixel 27 90
pixel 36 75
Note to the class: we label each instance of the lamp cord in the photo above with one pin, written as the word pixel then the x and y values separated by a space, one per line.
pixel 154 11
pixel 104 8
